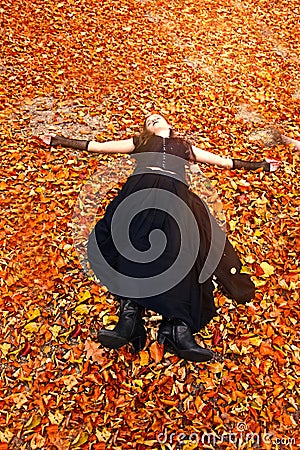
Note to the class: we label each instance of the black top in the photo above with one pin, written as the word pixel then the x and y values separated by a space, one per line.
pixel 174 146
pixel 169 154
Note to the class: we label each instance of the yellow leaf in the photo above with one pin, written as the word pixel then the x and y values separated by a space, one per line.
pixel 234 348
pixel 82 296
pixel 80 440
pixel 55 330
pixel 283 284
pixel 267 268
pixel 190 446
pixel 144 358
pixel 82 309
pixel 33 314
pixel 232 224
pixel 261 201
pixel 32 327
pixel 4 348
pixel 67 247
pixel 55 418
pixel 255 341
pixel 259 283
pixel 249 259
pixel 108 320
pixel 33 422
pixel 6 435
pixel 103 435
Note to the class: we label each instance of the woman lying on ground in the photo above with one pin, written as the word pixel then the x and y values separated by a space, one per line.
pixel 166 215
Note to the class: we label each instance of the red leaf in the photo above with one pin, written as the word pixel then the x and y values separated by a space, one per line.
pixel 217 338
pixel 76 332
pixel 207 408
pixel 26 349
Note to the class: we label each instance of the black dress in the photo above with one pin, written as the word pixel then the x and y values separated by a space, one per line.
pixel 168 271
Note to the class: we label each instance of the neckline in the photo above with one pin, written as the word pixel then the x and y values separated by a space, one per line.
pixel 162 137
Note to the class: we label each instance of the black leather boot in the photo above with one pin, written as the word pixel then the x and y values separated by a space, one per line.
pixel 129 329
pixel 178 339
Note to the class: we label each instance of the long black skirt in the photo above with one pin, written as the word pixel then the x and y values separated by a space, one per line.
pixel 158 245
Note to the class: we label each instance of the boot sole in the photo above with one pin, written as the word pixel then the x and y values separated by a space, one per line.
pixel 203 356
pixel 111 340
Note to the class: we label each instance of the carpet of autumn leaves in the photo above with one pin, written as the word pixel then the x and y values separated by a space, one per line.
pixel 220 72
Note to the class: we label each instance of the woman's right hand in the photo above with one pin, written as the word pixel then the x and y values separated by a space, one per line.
pixel 274 164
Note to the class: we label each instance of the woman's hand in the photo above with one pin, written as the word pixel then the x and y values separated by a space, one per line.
pixel 46 138
pixel 274 164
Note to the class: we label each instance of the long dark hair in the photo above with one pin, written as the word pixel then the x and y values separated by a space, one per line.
pixel 144 136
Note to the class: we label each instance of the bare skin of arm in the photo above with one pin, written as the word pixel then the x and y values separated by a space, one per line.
pixel 122 146
pixel 288 141
pixel 206 157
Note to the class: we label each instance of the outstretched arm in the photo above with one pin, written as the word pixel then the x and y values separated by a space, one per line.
pixel 206 157
pixel 288 141
pixel 122 146
pixel 269 165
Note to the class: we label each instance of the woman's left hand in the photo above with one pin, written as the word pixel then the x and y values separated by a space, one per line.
pixel 46 138
pixel 274 164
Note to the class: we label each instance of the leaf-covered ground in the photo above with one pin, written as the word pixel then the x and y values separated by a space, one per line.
pixel 220 72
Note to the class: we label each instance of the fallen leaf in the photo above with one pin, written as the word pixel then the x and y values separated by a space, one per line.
pixel 156 351
pixel 94 352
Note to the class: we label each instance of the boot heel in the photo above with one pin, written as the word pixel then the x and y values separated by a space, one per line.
pixel 130 328
pixel 177 337
pixel 161 339
pixel 168 347
pixel 138 343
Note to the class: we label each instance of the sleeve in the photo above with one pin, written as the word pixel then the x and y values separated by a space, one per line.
pixel 250 165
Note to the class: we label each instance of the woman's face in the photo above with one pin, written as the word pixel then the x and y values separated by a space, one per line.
pixel 156 122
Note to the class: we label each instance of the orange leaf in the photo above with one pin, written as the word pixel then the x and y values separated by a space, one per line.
pixel 266 349
pixel 156 351
pixel 277 390
pixel 52 432
pixel 93 351
pixel 144 358
pixel 198 403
